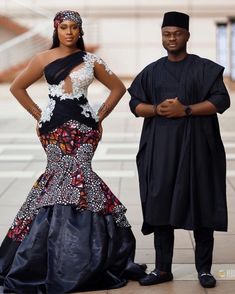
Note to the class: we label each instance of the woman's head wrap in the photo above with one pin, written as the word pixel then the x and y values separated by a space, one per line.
pixel 176 19
pixel 68 15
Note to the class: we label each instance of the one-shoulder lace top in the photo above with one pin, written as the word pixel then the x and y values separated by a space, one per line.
pixel 68 80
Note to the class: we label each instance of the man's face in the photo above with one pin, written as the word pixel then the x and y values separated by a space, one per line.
pixel 174 39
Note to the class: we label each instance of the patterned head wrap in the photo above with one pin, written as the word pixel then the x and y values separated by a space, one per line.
pixel 68 15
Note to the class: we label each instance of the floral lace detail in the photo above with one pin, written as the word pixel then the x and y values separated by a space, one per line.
pixel 81 78
pixel 88 111
pixel 90 60
pixel 47 112
pixel 58 91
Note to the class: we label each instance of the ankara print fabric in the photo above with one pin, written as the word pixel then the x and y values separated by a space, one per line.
pixel 68 179
pixel 71 234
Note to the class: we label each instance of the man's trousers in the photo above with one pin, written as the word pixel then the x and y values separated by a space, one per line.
pixel 164 247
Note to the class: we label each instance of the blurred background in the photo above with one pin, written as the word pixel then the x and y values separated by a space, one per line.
pixel 126 33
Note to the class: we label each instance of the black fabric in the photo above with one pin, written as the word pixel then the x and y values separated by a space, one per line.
pixel 181 161
pixel 176 19
pixel 175 69
pixel 67 250
pixel 164 247
pixel 7 253
pixel 204 241
pixel 66 109
pixel 57 70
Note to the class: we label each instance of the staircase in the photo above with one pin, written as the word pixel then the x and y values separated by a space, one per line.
pixel 16 52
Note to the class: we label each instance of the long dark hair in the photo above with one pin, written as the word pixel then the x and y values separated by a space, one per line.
pixel 56 42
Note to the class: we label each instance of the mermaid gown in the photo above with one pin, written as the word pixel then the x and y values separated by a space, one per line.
pixel 71 233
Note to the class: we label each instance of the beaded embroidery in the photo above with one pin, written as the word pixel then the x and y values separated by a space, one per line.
pixel 68 179
pixel 81 78
pixel 47 112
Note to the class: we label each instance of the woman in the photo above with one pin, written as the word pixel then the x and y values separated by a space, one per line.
pixel 71 233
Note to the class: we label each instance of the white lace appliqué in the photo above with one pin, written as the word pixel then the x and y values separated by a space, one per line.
pixel 81 78
pixel 88 111
pixel 47 112
pixel 90 60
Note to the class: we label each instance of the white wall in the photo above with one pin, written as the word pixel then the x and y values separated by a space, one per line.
pixel 128 31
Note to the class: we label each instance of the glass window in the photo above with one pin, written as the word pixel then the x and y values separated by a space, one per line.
pixel 233 50
pixel 222 52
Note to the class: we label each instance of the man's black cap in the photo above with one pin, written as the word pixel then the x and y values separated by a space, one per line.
pixel 176 19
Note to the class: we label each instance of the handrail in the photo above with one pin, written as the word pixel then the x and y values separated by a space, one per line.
pixel 31 33
pixel 36 9
pixel 23 47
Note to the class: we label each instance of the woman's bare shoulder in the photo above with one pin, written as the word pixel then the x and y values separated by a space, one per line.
pixel 46 56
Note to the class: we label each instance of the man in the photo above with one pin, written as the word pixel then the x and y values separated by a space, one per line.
pixel 181 159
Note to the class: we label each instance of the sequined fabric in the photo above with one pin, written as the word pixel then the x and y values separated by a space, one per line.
pixel 68 15
pixel 71 233
pixel 68 179
pixel 80 79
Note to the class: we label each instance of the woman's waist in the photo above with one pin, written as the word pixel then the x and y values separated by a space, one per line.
pixel 75 108
pixel 78 106
pixel 60 111
pixel 69 98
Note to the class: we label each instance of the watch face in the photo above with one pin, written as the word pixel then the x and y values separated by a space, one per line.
pixel 188 110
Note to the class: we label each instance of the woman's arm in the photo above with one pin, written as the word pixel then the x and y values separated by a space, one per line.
pixel 30 74
pixel 114 84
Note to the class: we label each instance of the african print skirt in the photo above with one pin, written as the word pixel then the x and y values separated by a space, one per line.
pixel 71 233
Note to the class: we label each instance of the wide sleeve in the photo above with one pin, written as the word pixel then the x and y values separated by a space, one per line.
pixel 218 95
pixel 140 89
pixel 214 88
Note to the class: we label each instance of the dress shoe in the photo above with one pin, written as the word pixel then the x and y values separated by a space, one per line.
pixel 1 280
pixel 134 271
pixel 207 280
pixel 143 266
pixel 156 278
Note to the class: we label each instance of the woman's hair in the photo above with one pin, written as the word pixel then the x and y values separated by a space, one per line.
pixel 56 42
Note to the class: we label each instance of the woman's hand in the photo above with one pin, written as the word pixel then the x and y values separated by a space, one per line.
pixel 100 130
pixel 37 130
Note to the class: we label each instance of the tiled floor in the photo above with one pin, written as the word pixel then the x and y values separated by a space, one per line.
pixel 22 160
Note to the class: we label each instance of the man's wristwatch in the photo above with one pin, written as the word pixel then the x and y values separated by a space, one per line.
pixel 188 110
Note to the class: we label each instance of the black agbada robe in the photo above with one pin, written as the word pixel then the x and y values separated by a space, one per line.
pixel 181 161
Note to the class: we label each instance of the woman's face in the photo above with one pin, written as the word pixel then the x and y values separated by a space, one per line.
pixel 68 33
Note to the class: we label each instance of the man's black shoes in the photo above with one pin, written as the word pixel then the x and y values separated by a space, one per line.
pixel 155 278
pixel 134 271
pixel 207 280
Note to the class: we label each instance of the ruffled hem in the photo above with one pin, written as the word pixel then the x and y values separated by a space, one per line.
pixel 68 250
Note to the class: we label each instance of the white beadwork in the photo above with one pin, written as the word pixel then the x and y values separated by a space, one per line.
pixel 81 78
pixel 90 60
pixel 88 111
pixel 56 90
pixel 47 112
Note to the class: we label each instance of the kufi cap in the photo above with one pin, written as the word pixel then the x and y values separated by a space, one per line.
pixel 176 19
